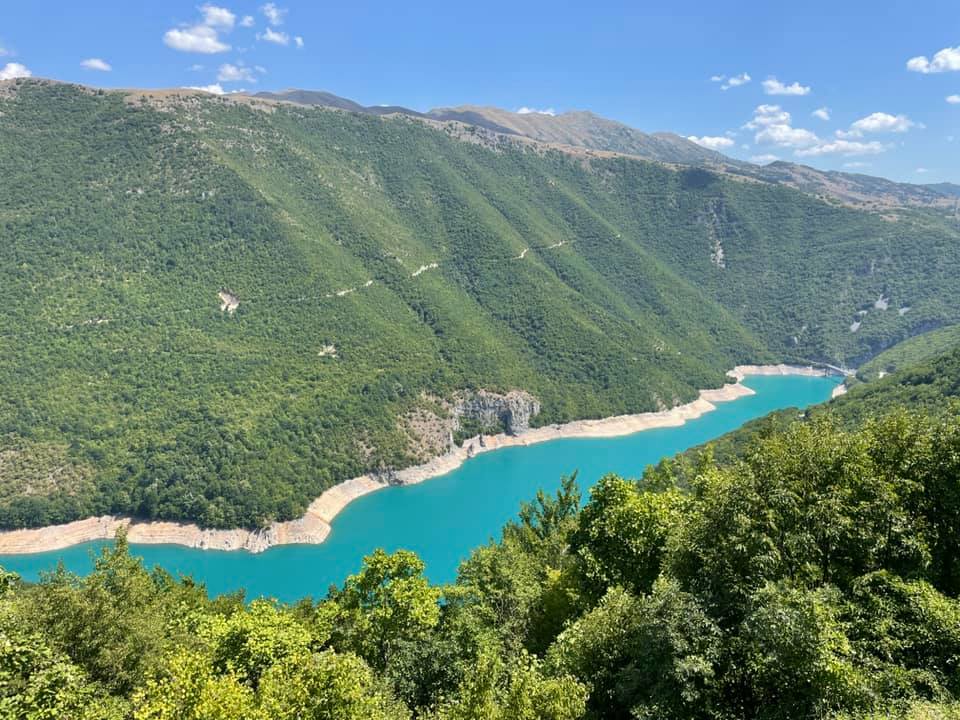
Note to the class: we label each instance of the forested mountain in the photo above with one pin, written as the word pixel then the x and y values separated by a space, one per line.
pixel 815 577
pixel 215 308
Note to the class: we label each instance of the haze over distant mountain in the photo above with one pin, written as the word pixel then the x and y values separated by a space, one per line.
pixel 584 129
pixel 577 128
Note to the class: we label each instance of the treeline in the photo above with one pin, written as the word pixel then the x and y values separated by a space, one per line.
pixel 816 577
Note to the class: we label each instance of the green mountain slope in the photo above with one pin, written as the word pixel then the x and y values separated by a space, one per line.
pixel 369 269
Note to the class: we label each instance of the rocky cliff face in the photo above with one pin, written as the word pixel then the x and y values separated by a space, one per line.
pixel 512 411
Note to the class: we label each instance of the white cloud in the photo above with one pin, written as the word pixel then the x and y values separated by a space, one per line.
pixel 198 39
pixel 202 36
pixel 921 170
pixel 946 60
pixel 247 21
pixel 299 41
pixel 732 81
pixel 843 147
pixel 764 159
pixel 535 111
pixel 878 122
pixel 96 64
pixel 786 136
pixel 278 38
pixel 196 67
pixel 821 113
pixel 14 70
pixel 273 14
pixel 235 73
pixel 4 51
pixel 772 86
pixel 216 89
pixel 953 99
pixel 774 127
pixel 768 115
pixel 260 69
pixel 854 164
pixel 712 143
pixel 218 17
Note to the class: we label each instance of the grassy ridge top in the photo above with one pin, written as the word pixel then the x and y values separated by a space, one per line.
pixel 380 265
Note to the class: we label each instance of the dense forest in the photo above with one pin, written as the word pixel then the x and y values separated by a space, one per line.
pixel 216 308
pixel 814 575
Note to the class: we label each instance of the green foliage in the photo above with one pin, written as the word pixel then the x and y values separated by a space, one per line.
pixel 644 656
pixel 128 390
pixel 387 603
pixel 910 352
pixel 622 534
pixel 516 690
pixel 813 578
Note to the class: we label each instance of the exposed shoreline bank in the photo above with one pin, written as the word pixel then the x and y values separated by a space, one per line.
pixel 314 526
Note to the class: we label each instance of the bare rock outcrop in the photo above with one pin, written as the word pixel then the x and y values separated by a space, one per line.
pixel 512 411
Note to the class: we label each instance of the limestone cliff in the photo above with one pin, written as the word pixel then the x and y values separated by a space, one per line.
pixel 512 411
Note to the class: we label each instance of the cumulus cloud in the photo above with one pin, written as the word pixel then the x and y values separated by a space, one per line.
pixel 273 14
pixel 773 126
pixel 235 73
pixel 198 39
pixel 821 113
pixel 764 159
pixel 299 41
pixel 766 115
pixel 953 99
pixel 274 36
pixel 843 147
pixel 786 136
pixel 536 111
pixel 14 70
pixel 217 17
pixel 732 81
pixel 247 21
pixel 203 36
pixel 712 143
pixel 772 86
pixel 96 64
pixel 878 122
pixel 946 60
pixel 216 88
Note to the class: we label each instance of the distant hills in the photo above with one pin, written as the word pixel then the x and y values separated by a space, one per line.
pixel 587 130
pixel 578 128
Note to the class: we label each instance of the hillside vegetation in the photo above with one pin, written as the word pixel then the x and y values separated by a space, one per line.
pixel 214 309
pixel 816 578
pixel 910 352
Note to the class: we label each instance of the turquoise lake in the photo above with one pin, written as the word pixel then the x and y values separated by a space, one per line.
pixel 444 518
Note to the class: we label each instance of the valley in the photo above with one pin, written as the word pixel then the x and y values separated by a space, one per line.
pixel 374 268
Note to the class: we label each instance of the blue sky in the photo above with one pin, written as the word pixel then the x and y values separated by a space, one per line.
pixel 883 72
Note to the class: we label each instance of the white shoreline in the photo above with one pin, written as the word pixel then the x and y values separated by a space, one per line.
pixel 314 526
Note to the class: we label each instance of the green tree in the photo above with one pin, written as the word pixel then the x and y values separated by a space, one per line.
pixel 388 602
pixel 622 534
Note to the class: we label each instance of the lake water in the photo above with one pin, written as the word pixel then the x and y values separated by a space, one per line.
pixel 444 518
